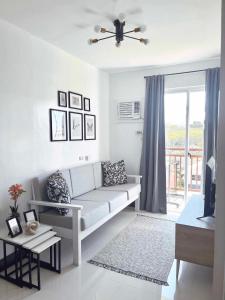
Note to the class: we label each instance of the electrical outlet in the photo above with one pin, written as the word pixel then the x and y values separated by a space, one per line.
pixel 81 158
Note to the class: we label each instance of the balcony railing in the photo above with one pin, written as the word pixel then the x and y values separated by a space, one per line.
pixel 175 163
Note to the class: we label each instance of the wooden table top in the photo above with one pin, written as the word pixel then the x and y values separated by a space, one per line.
pixel 192 211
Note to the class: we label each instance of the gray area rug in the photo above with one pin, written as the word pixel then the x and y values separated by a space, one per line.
pixel 144 249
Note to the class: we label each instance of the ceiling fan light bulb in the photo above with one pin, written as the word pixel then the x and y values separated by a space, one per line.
pixel 144 41
pixel 103 30
pixel 97 28
pixel 121 17
pixel 92 41
pixel 142 28
pixel 117 44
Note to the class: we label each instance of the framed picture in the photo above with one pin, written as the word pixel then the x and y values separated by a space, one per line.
pixel 76 126
pixel 87 104
pixel 14 227
pixel 30 215
pixel 89 127
pixel 58 125
pixel 62 98
pixel 75 101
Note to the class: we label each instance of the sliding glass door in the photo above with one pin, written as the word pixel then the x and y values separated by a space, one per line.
pixel 176 145
pixel 184 128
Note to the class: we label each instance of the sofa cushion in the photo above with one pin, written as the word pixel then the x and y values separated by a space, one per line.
pixel 91 213
pixel 132 189
pixel 58 191
pixel 51 217
pixel 114 173
pixel 113 198
pixel 66 176
pixel 97 168
pixel 39 191
pixel 39 188
pixel 82 179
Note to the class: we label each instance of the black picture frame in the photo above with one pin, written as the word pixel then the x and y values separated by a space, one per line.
pixel 71 124
pixel 87 104
pixel 78 97
pixel 14 227
pixel 55 122
pixel 62 101
pixel 27 215
pixel 87 134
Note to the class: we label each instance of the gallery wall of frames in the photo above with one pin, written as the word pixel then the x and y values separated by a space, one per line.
pixel 77 124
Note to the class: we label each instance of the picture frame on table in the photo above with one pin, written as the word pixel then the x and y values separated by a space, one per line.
pixel 75 126
pixel 75 100
pixel 30 215
pixel 87 104
pixel 58 125
pixel 89 127
pixel 14 227
pixel 62 99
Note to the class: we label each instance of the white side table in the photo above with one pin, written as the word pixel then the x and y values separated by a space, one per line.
pixel 27 251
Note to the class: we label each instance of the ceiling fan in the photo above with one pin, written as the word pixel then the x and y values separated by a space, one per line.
pixel 106 15
pixel 119 33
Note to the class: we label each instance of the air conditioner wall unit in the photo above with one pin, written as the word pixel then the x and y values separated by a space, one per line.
pixel 129 110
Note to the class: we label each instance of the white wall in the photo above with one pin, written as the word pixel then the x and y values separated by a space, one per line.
pixel 130 86
pixel 31 72
pixel 219 255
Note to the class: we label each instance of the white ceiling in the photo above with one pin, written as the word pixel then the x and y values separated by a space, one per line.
pixel 179 30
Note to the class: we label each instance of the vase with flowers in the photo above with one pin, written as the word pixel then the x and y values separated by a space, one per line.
pixel 15 191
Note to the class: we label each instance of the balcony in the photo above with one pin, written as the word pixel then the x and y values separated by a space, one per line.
pixel 175 177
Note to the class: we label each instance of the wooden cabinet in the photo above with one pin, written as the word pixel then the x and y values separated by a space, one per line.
pixel 194 238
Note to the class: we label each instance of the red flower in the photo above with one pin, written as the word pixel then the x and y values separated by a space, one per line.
pixel 15 191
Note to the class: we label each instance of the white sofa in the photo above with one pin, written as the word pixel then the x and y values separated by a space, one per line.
pixel 91 206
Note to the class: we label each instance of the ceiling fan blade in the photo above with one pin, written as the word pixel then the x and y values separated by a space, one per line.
pixel 134 11
pixel 82 26
pixel 90 11
pixel 110 17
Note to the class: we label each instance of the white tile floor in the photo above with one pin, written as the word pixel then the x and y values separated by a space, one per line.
pixel 89 282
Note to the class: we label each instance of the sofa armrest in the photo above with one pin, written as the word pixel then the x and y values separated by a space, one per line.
pixel 135 178
pixel 55 205
pixel 76 215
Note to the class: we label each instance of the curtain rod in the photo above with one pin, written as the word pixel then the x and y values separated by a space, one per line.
pixel 179 73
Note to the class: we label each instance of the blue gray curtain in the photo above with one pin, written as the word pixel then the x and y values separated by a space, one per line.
pixel 212 86
pixel 153 167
